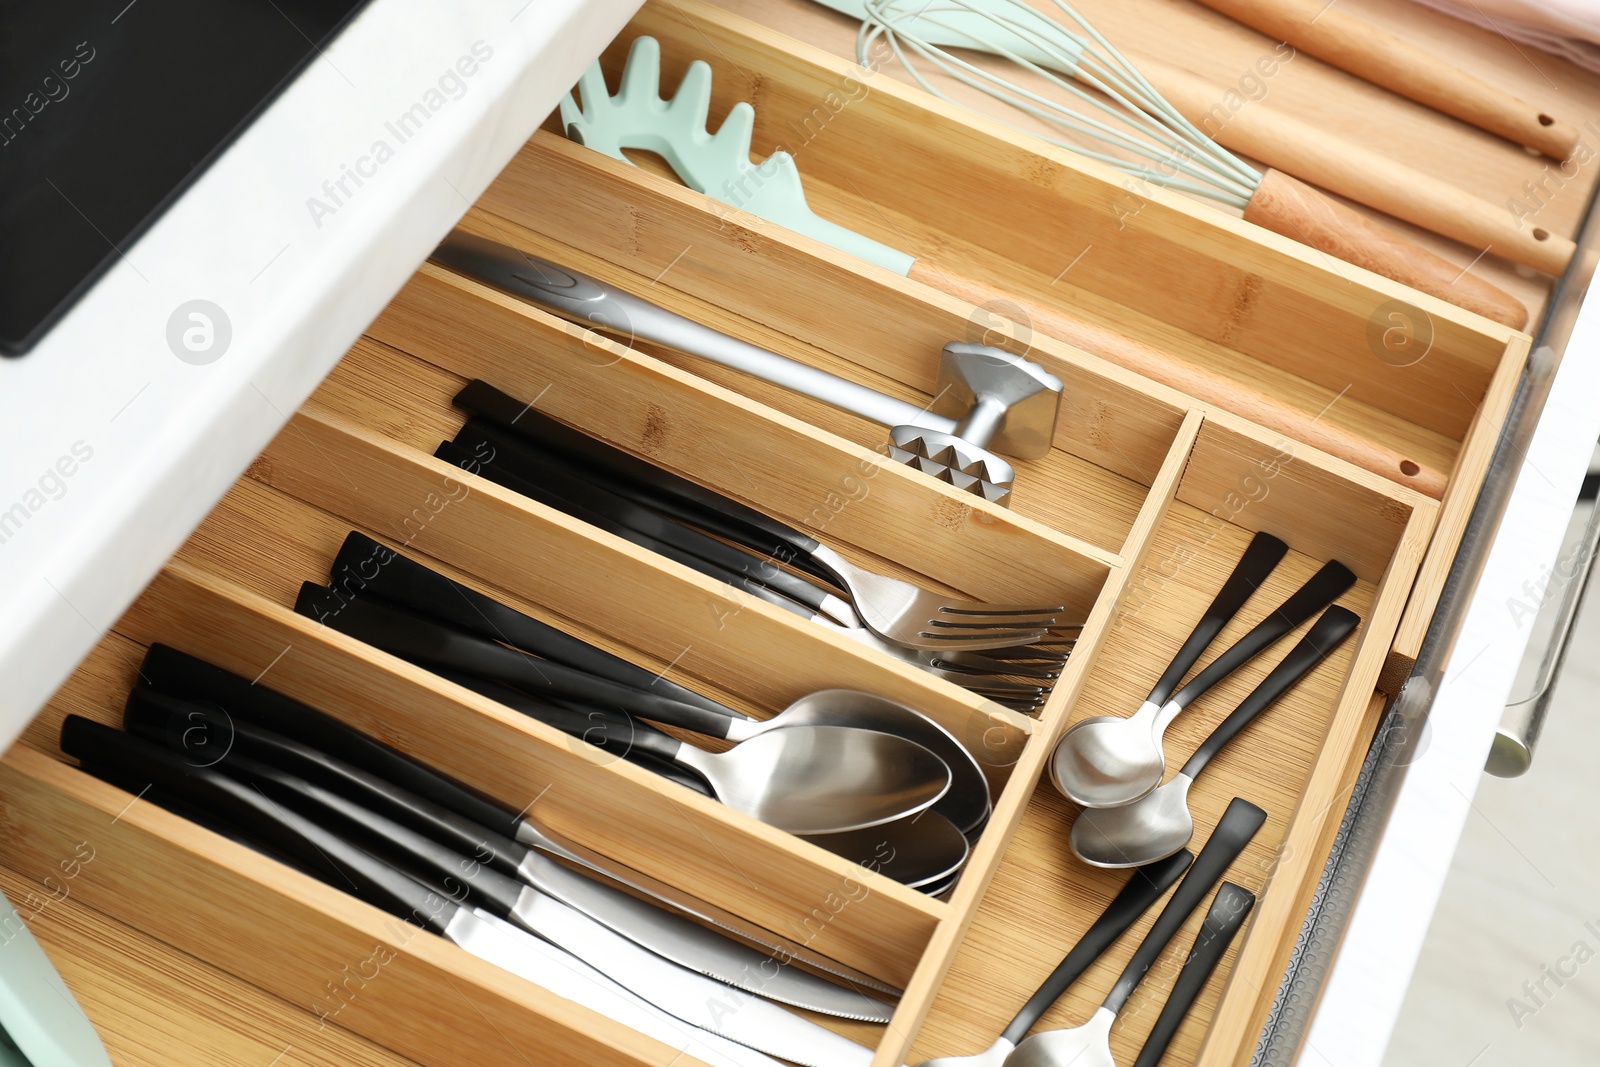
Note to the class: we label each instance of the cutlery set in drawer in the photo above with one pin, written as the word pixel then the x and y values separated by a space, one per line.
pixel 680 632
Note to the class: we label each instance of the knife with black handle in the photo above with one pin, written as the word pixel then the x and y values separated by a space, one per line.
pixel 179 674
pixel 435 905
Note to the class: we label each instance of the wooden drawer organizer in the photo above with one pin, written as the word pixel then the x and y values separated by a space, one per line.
pixel 1133 521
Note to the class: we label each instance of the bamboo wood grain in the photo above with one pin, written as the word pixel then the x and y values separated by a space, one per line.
pixel 846 494
pixel 237 910
pixel 1355 45
pixel 1367 176
pixel 1289 207
pixel 802 290
pixel 1213 389
pixel 1279 914
pixel 926 984
pixel 1040 211
pixel 154 1006
pixel 610 806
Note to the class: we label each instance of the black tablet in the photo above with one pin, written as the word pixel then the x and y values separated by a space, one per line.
pixel 108 110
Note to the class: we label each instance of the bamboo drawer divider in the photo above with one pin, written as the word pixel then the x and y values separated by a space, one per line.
pixel 1132 521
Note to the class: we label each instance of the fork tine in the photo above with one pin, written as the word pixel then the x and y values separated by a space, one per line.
pixel 979 607
pixel 976 623
pixel 998 669
pixel 979 640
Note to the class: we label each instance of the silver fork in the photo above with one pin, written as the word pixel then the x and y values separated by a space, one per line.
pixel 540 449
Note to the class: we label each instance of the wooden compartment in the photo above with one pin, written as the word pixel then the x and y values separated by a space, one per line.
pixel 1140 510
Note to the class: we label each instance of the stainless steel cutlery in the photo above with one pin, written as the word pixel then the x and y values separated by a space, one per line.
pixel 895 610
pixel 985 396
pixel 1089 1045
pixel 183 676
pixel 439 889
pixel 1106 761
pixel 1229 909
pixel 1142 890
pixel 1159 823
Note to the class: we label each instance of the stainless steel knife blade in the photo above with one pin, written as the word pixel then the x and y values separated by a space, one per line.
pixel 515 950
pixel 691 945
pixel 697 1000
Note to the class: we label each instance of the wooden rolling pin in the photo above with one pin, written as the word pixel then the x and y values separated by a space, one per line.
pixel 1201 383
pixel 1342 40
pixel 1364 175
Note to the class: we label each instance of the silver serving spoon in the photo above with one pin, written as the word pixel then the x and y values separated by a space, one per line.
pixel 803 779
pixel 920 851
pixel 1141 891
pixel 1160 824
pixel 1089 1045
pixel 1105 762
pixel 800 778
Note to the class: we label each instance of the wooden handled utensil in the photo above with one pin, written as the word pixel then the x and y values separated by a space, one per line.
pixel 1352 44
pixel 719 165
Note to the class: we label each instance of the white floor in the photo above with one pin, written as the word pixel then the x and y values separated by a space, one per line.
pixel 1510 976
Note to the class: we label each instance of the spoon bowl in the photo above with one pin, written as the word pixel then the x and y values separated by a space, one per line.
pixel 1107 762
pixel 993 1056
pixel 1138 833
pixel 822 779
pixel 966 804
pixel 919 851
pixel 1088 1045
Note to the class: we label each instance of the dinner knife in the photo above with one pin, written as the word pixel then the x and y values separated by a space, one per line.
pixel 682 993
pixel 204 733
pixel 170 671
pixel 123 759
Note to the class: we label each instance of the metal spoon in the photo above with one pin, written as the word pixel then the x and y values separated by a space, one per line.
pixel 1105 762
pixel 1141 891
pixel 1089 1045
pixel 921 851
pixel 1160 824
pixel 804 779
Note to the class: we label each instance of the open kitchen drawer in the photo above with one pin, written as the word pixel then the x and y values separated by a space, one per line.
pixel 1132 521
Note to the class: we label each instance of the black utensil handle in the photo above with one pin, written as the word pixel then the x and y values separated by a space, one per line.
pixel 645 482
pixel 167 670
pixel 737 567
pixel 384 838
pixel 519 469
pixel 1325 635
pixel 1237 826
pixel 613 731
pixel 331 857
pixel 206 733
pixel 1227 915
pixel 365 565
pixel 1258 561
pixel 1326 586
pixel 1143 889
pixel 411 637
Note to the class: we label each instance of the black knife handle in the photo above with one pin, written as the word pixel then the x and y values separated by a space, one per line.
pixel 179 674
pixel 1143 889
pixel 365 565
pixel 645 482
pixel 417 854
pixel 519 469
pixel 331 857
pixel 205 734
pixel 1237 826
pixel 423 642
pixel 611 730
pixel 1326 586
pixel 1325 635
pixel 1258 561
pixel 1227 915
